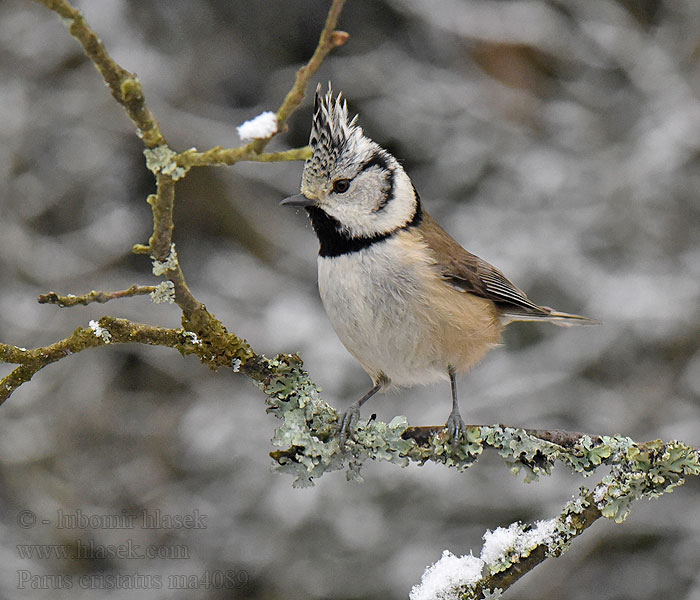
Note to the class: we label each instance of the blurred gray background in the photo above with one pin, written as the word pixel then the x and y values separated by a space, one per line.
pixel 558 140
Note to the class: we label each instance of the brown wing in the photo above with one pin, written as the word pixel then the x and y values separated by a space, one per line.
pixel 467 272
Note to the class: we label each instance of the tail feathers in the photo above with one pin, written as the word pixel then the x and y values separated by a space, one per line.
pixel 549 315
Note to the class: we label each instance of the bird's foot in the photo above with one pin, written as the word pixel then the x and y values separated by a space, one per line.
pixel 347 423
pixel 455 427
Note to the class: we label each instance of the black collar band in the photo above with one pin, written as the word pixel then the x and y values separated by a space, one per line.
pixel 334 241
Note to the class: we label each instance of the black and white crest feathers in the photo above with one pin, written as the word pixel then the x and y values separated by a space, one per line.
pixel 378 199
pixel 333 134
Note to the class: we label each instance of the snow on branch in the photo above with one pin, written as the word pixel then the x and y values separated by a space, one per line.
pixel 259 128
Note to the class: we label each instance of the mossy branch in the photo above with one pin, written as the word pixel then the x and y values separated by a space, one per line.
pixel 230 156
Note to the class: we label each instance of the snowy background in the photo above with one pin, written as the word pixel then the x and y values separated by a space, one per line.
pixel 558 140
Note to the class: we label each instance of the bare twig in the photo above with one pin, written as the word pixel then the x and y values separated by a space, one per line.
pixel 125 86
pixel 230 156
pixel 108 330
pixel 328 40
pixel 94 296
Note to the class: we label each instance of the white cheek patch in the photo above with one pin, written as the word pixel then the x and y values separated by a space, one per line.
pixel 362 214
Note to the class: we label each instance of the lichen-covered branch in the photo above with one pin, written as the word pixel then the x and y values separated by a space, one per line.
pixel 515 558
pixel 559 437
pixel 637 471
pixel 309 448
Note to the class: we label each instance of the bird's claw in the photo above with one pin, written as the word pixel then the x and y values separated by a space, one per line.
pixel 456 427
pixel 347 423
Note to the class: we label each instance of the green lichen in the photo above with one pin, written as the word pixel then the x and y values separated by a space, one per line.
pixel 309 427
pixel 164 293
pixel 161 159
pixel 161 267
pixel 307 423
pixel 441 449
pixel 526 452
pixel 309 447
pixel 646 470
pixel 570 522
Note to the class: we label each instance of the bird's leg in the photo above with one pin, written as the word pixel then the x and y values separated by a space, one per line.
pixel 455 426
pixel 349 419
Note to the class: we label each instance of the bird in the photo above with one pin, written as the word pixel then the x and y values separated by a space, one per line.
pixel 406 300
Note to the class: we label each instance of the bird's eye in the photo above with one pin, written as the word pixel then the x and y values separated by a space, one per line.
pixel 340 186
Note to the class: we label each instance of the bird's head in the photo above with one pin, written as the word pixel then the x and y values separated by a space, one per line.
pixel 349 178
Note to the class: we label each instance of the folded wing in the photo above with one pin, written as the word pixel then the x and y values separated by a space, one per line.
pixel 470 274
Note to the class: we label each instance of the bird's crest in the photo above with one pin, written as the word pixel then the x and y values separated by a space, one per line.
pixel 334 137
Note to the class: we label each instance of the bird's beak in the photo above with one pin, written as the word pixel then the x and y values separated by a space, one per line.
pixel 298 200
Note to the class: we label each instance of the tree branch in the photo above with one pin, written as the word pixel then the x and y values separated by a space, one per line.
pixel 309 447
pixel 328 40
pixel 94 296
pixel 577 516
pixel 108 330
pixel 508 554
pixel 222 348
pixel 125 86
pixel 559 437
pixel 230 156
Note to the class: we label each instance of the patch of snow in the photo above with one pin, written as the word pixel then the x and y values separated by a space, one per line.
pixel 261 127
pixel 442 580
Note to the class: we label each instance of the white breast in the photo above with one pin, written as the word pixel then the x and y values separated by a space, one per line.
pixel 377 300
